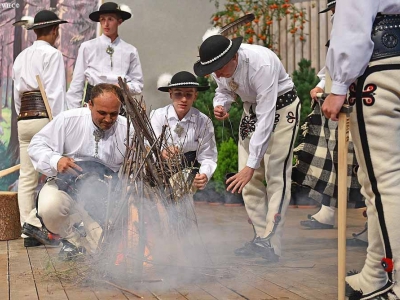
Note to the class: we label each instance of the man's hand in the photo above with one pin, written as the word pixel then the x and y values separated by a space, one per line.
pixel 315 91
pixel 332 105
pixel 67 165
pixel 200 181
pixel 169 152
pixel 220 113
pixel 238 181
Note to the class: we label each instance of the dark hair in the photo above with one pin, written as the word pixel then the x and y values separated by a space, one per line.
pixel 44 31
pixel 102 88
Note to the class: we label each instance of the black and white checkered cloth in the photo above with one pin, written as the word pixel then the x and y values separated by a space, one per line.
pixel 317 158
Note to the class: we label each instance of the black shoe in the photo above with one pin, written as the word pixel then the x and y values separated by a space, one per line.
pixel 263 246
pixel 31 242
pixel 314 224
pixel 69 251
pixel 41 235
pixel 246 250
pixel 356 243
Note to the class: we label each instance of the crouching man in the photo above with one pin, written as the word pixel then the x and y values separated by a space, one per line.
pixel 95 135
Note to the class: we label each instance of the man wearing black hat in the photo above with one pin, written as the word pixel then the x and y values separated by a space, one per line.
pixel 46 61
pixel 189 130
pixel 364 58
pixel 104 59
pixel 267 132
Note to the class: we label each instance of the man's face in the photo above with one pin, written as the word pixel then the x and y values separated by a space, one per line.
pixel 109 24
pixel 229 69
pixel 105 109
pixel 182 100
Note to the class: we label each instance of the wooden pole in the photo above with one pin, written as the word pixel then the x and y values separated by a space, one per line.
pixel 5 172
pixel 44 96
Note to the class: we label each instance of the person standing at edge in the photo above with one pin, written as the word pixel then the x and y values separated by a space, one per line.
pixel 364 57
pixel 42 59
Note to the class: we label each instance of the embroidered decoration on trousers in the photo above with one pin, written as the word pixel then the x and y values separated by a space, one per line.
pixel 98 135
pixel 110 51
pixel 179 129
pixel 248 124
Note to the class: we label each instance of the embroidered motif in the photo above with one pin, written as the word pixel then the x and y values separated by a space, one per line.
pixel 248 124
pixel 110 51
pixel 276 121
pixel 367 94
pixel 98 135
pixel 233 85
pixel 290 117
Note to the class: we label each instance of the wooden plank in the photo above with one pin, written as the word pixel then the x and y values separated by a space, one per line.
pixel 47 284
pixel 323 33
pixel 290 45
pixel 314 36
pixel 193 292
pixel 283 53
pixel 219 291
pixel 4 281
pixel 306 8
pixel 298 44
pixel 244 289
pixel 20 272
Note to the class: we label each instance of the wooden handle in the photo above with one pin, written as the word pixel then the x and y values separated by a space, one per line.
pixel 43 92
pixel 8 171
pixel 343 144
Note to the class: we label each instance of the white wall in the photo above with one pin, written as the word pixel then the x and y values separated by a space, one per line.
pixel 167 34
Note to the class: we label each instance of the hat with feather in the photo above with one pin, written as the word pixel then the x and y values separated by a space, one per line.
pixel 331 4
pixel 217 50
pixel 181 79
pixel 111 8
pixel 43 18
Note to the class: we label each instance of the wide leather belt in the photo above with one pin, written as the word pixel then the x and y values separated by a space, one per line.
pixel 386 36
pixel 32 106
pixel 286 99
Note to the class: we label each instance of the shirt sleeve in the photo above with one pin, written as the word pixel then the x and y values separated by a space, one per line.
pixel 156 123
pixel 265 83
pixel 46 148
pixel 207 154
pixel 350 46
pixel 75 91
pixel 321 76
pixel 223 96
pixel 17 101
pixel 53 78
pixel 135 75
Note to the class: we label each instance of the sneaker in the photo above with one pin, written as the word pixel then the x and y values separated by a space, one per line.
pixel 69 251
pixel 41 235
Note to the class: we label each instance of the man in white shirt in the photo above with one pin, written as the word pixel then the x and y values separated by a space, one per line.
pixel 267 132
pixel 365 48
pixel 96 133
pixel 104 59
pixel 46 61
pixel 189 130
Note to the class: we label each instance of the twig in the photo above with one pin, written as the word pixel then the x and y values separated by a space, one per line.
pixel 121 288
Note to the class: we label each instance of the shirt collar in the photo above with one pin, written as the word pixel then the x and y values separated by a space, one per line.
pixel 41 42
pixel 239 65
pixel 105 39
pixel 171 114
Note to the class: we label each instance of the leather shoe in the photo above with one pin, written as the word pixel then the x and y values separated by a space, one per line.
pixel 246 250
pixel 69 251
pixel 31 242
pixel 40 234
pixel 314 224
pixel 258 247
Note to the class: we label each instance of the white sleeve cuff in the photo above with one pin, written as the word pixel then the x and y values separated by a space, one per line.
pixel 54 161
pixel 253 163
pixel 339 88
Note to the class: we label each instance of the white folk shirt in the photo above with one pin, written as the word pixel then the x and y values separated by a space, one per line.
pixel 261 78
pixel 94 65
pixel 46 61
pixel 70 134
pixel 321 76
pixel 351 46
pixel 197 135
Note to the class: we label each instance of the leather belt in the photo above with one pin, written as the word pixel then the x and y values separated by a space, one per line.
pixel 286 99
pixel 386 36
pixel 32 106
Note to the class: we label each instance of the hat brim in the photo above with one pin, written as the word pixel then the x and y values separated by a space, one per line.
pixel 95 16
pixel 199 88
pixel 45 24
pixel 327 9
pixel 202 70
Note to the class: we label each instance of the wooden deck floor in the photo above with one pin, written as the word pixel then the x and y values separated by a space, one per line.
pixel 307 270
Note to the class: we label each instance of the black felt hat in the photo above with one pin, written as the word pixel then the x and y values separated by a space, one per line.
pixel 215 52
pixel 331 4
pixel 111 8
pixel 45 18
pixel 183 79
